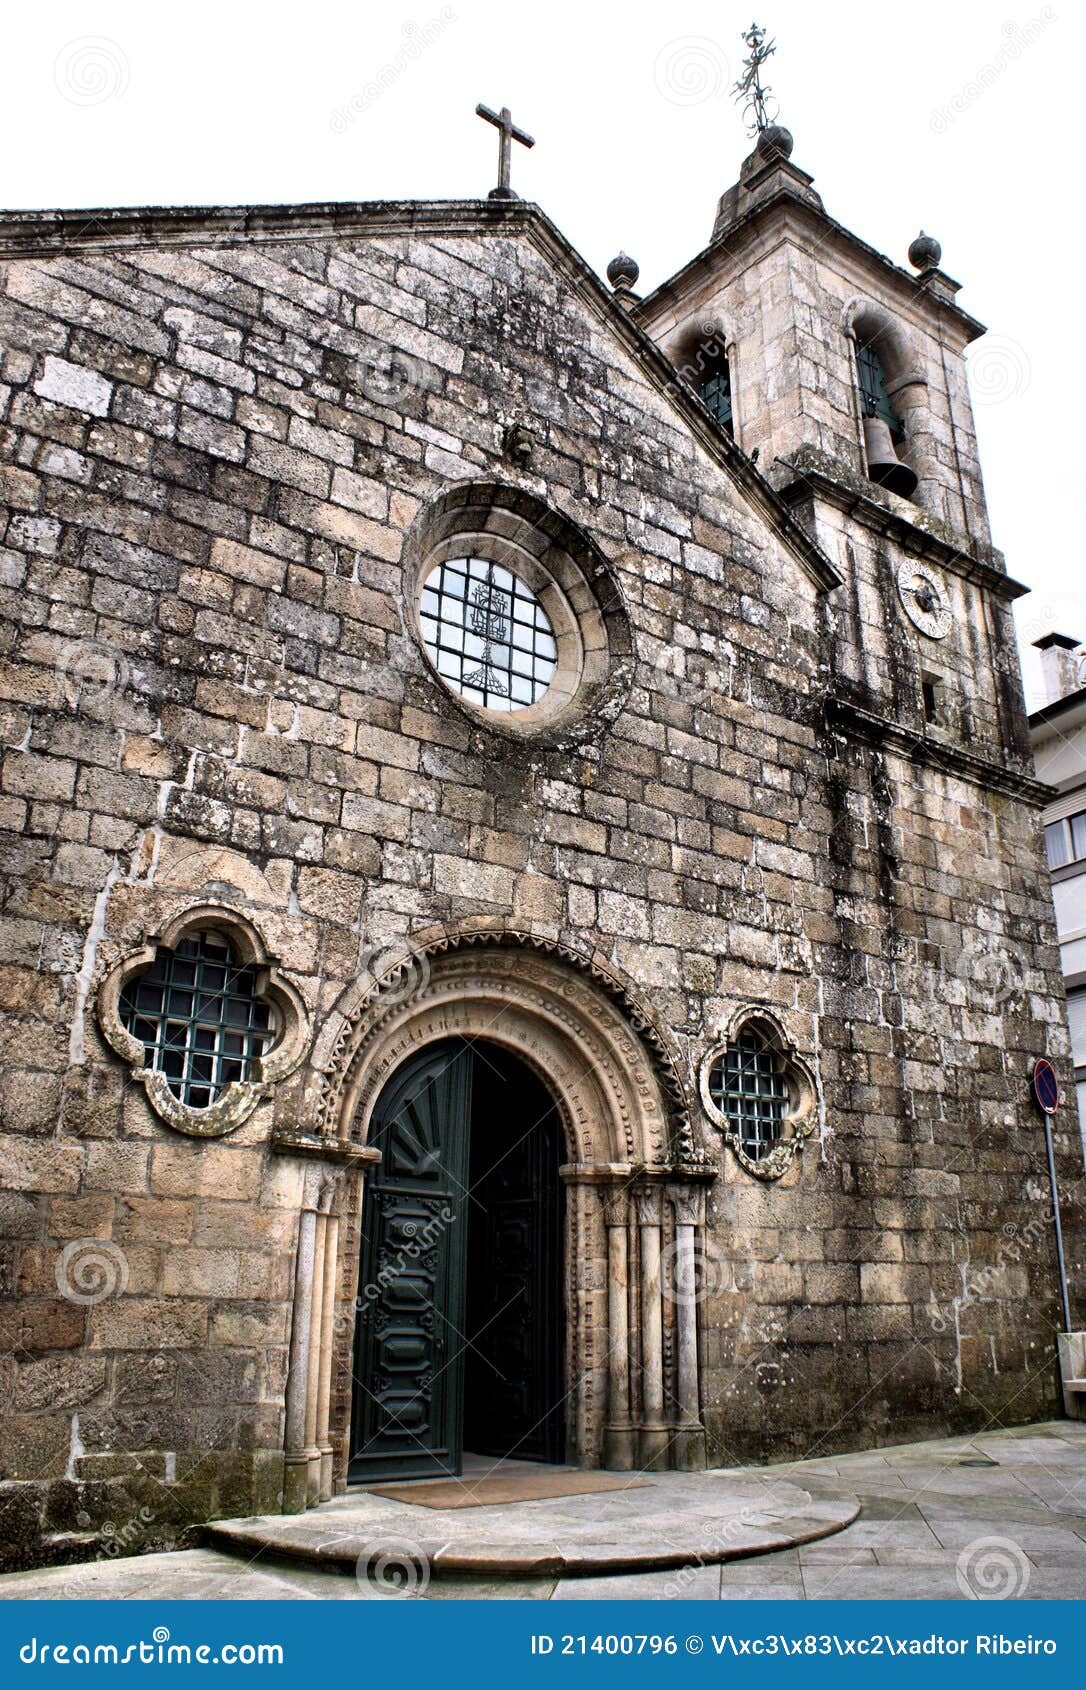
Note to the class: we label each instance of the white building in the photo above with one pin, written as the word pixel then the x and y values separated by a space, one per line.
pixel 1058 732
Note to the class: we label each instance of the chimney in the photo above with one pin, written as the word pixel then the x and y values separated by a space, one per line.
pixel 1062 671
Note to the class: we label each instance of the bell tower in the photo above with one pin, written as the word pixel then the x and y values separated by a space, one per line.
pixel 838 357
pixel 846 383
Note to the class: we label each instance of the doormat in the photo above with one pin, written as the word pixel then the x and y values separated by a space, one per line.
pixel 491 1488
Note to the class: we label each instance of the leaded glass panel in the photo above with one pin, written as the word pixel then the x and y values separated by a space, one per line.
pixel 487 634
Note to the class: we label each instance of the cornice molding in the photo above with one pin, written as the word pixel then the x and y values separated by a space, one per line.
pixel 915 540
pixel 854 722
pixel 907 288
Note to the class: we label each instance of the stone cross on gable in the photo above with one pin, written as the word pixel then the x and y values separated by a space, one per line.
pixel 508 131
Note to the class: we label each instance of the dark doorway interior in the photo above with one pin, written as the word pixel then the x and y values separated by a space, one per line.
pixel 513 1397
pixel 460 1327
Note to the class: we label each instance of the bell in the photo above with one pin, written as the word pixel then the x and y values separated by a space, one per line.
pixel 884 466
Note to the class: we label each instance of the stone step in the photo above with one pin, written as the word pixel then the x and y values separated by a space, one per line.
pixel 671 1522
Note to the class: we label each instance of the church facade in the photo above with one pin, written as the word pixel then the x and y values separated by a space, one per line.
pixel 525 925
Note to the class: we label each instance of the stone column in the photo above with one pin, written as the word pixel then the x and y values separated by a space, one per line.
pixel 689 1210
pixel 653 1441
pixel 324 1378
pixel 296 1455
pixel 619 1444
pixel 313 1363
pixel 308 1454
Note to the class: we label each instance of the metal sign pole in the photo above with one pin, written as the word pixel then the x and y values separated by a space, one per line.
pixel 1059 1230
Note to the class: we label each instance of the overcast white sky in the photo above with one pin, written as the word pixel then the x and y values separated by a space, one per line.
pixel 961 118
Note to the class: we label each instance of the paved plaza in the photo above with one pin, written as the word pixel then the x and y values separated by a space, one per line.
pixel 998 1516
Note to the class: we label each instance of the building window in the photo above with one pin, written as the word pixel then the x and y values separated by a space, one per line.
pixel 1065 841
pixel 715 392
pixel 487 634
pixel 747 1084
pixel 875 401
pixel 199 1017
pixel 931 689
pixel 760 1093
pixel 1076 1018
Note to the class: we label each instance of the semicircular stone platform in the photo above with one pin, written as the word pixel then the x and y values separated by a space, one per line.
pixel 661 1521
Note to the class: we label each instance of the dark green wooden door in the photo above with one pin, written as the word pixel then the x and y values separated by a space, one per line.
pixel 409 1355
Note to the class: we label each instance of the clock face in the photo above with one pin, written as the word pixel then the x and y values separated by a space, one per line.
pixel 924 598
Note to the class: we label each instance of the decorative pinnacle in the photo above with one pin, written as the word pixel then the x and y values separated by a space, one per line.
pixel 925 252
pixel 758 105
pixel 622 272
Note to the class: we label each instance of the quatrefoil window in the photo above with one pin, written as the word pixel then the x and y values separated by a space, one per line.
pixel 199 1015
pixel 205 1020
pixel 760 1094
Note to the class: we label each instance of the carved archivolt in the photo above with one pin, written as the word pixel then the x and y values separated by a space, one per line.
pixel 567 1014
pixel 632 1368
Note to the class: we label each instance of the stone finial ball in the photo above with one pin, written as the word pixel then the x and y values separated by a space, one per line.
pixel 623 271
pixel 774 142
pixel 925 252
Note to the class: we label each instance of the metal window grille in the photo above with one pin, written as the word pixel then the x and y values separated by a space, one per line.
pixel 747 1085
pixel 716 394
pixel 198 1018
pixel 873 395
pixel 487 635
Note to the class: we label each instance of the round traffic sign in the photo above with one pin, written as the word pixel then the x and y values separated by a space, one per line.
pixel 1046 1087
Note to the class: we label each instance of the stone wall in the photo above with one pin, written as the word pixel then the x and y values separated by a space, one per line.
pixel 215 445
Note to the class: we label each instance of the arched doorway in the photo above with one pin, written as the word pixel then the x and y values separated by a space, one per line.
pixel 460 1307
pixel 632 1185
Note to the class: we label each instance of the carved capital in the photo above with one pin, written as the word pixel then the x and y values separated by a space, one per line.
pixel 688 1204
pixel 616 1205
pixel 648 1202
